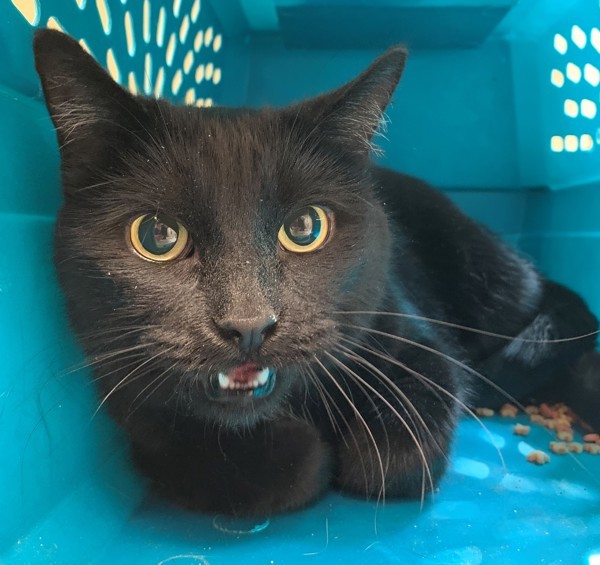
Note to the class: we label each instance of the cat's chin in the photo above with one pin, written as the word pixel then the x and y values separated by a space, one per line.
pixel 256 384
pixel 242 403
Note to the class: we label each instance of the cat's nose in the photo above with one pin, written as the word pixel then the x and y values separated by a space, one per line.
pixel 249 333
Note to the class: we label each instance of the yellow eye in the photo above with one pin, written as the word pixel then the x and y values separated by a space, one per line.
pixel 306 230
pixel 156 237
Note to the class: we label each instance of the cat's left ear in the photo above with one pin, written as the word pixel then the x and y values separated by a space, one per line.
pixel 91 112
pixel 352 114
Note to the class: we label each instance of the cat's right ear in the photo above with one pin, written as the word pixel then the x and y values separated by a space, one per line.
pixel 352 114
pixel 90 111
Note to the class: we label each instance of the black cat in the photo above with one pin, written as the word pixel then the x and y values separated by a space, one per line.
pixel 260 303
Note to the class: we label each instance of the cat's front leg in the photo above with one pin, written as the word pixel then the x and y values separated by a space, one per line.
pixel 275 466
pixel 398 439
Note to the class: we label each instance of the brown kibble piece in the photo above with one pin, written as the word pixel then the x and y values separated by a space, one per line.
pixel 508 410
pixel 575 447
pixel 537 419
pixel 563 421
pixel 565 436
pixel 547 412
pixel 532 410
pixel 550 424
pixel 521 430
pixel 538 457
pixel 561 425
pixel 485 412
pixel 593 438
pixel 559 447
pixel 591 448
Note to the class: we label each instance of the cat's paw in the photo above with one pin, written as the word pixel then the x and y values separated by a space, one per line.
pixel 389 464
pixel 276 467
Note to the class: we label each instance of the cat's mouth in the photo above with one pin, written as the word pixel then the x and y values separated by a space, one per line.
pixel 244 381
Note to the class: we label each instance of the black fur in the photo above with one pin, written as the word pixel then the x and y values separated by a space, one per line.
pixel 231 176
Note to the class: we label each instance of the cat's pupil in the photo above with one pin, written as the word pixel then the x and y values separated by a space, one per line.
pixel 157 236
pixel 302 227
pixel 305 228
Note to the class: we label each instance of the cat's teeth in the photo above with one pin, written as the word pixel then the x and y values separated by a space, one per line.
pixel 263 377
pixel 224 381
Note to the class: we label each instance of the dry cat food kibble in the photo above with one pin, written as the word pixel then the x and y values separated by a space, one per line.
pixel 521 430
pixel 559 447
pixel 485 412
pixel 537 419
pixel 538 457
pixel 547 411
pixel 508 410
pixel 592 448
pixel 565 435
pixel 562 425
pixel 560 419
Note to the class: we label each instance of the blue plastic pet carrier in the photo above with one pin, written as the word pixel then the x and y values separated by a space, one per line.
pixel 498 107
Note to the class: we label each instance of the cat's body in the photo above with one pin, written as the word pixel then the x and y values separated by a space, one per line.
pixel 359 387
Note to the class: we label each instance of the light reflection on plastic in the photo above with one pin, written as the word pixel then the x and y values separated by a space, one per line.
pixel 239 526
pixel 594 559
pixel 494 439
pixel 523 447
pixel 471 468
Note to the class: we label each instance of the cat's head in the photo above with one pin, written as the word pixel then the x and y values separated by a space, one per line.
pixel 204 251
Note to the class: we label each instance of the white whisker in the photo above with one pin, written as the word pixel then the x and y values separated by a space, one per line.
pixel 468 328
pixel 363 422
